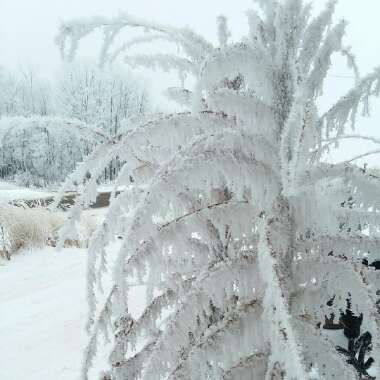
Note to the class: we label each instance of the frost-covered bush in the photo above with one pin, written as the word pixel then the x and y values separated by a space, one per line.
pixel 245 238
pixel 27 227
pixel 42 150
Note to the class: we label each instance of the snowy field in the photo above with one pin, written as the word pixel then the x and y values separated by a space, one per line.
pixel 42 315
pixel 43 305
pixel 9 192
pixel 43 312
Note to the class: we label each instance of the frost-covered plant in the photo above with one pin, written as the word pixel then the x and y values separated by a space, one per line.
pixel 239 230
pixel 24 227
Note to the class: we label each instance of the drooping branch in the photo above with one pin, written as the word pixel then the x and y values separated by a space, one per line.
pixel 197 211
pixel 194 45
pixel 363 155
pixel 346 108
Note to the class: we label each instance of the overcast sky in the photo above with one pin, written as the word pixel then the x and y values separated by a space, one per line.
pixel 28 27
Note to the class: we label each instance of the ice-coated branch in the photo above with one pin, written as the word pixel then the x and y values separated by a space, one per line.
pixel 180 95
pixel 135 42
pixel 351 62
pixel 254 363
pixel 282 336
pixel 102 325
pixel 313 37
pixel 346 108
pixel 192 213
pixel 71 33
pixel 166 62
pixel 334 140
pixel 223 32
pixel 322 61
pixel 363 155
pixel 228 214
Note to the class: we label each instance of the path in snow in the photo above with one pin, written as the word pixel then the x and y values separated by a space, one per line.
pixel 42 315
pixel 43 311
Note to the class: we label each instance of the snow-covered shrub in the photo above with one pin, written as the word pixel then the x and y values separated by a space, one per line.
pixel 43 150
pixel 246 239
pixel 27 227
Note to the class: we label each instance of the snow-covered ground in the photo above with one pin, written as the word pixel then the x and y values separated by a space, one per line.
pixel 43 306
pixel 9 192
pixel 43 312
pixel 42 315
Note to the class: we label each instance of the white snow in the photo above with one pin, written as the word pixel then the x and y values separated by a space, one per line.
pixel 10 192
pixel 42 314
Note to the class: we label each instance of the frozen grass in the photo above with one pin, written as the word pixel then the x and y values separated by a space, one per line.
pixel 26 227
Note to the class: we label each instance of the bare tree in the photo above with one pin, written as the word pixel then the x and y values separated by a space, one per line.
pixel 25 93
pixel 99 97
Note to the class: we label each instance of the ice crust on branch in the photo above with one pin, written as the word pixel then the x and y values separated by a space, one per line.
pixel 230 218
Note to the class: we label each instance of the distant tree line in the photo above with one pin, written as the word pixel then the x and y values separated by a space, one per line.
pixel 47 127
